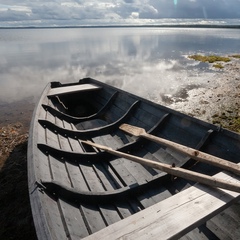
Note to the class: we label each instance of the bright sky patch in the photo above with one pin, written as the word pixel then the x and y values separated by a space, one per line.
pixel 14 8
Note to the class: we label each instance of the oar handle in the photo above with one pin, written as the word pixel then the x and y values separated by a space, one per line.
pixel 195 154
pixel 175 171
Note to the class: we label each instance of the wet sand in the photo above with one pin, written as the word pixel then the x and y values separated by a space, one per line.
pixel 220 97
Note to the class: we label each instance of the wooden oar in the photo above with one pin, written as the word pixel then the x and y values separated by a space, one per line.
pixel 175 171
pixel 193 153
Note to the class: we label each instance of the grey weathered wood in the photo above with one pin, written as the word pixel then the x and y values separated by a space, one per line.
pixel 224 224
pixel 193 153
pixel 172 218
pixel 175 171
pixel 74 222
pixel 56 218
pixel 44 209
pixel 131 168
pixel 132 172
pixel 93 218
pixel 71 89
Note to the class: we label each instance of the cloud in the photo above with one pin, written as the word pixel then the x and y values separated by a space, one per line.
pixel 107 10
pixel 135 15
pixel 197 8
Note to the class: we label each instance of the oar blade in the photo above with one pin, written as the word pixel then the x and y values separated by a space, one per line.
pixel 133 130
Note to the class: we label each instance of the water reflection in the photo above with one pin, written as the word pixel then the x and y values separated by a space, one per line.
pixel 147 61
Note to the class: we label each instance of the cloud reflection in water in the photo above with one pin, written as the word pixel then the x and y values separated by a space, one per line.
pixel 148 62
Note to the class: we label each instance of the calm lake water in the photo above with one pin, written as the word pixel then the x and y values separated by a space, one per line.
pixel 146 61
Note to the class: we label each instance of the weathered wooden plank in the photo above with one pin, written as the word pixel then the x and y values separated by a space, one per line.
pixel 72 89
pixel 224 224
pixel 134 169
pixel 74 220
pixel 117 164
pixel 76 177
pixel 75 145
pixel 176 215
pixel 76 227
pixel 92 217
pixel 162 193
pixel 190 152
pixel 109 213
pixel 92 179
pixel 100 182
pixel 51 138
pixel 113 174
pixel 64 143
pixel 149 156
pixel 128 171
pixel 72 176
pixel 59 172
pixel 167 157
pixel 201 233
pixel 104 177
pixel 54 218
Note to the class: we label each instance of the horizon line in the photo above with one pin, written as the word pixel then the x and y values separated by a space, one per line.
pixel 197 25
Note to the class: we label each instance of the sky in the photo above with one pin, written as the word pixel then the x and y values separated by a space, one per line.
pixel 60 12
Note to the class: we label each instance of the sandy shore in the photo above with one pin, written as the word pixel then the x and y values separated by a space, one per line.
pixel 218 102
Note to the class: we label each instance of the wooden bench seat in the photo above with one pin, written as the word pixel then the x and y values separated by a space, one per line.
pixel 174 217
pixel 71 89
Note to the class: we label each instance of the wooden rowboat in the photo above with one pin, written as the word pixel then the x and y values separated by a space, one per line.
pixel 90 177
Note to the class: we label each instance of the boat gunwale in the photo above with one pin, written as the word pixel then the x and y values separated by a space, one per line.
pixel 37 207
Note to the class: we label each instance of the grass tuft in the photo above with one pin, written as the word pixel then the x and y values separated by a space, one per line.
pixel 218 65
pixel 235 56
pixel 210 59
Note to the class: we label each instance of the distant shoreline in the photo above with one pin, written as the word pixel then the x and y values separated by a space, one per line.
pixel 132 26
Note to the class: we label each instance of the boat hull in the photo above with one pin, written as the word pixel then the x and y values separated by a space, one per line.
pixel 77 190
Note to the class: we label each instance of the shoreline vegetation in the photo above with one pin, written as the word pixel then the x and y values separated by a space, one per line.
pixel 217 103
pixel 214 59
